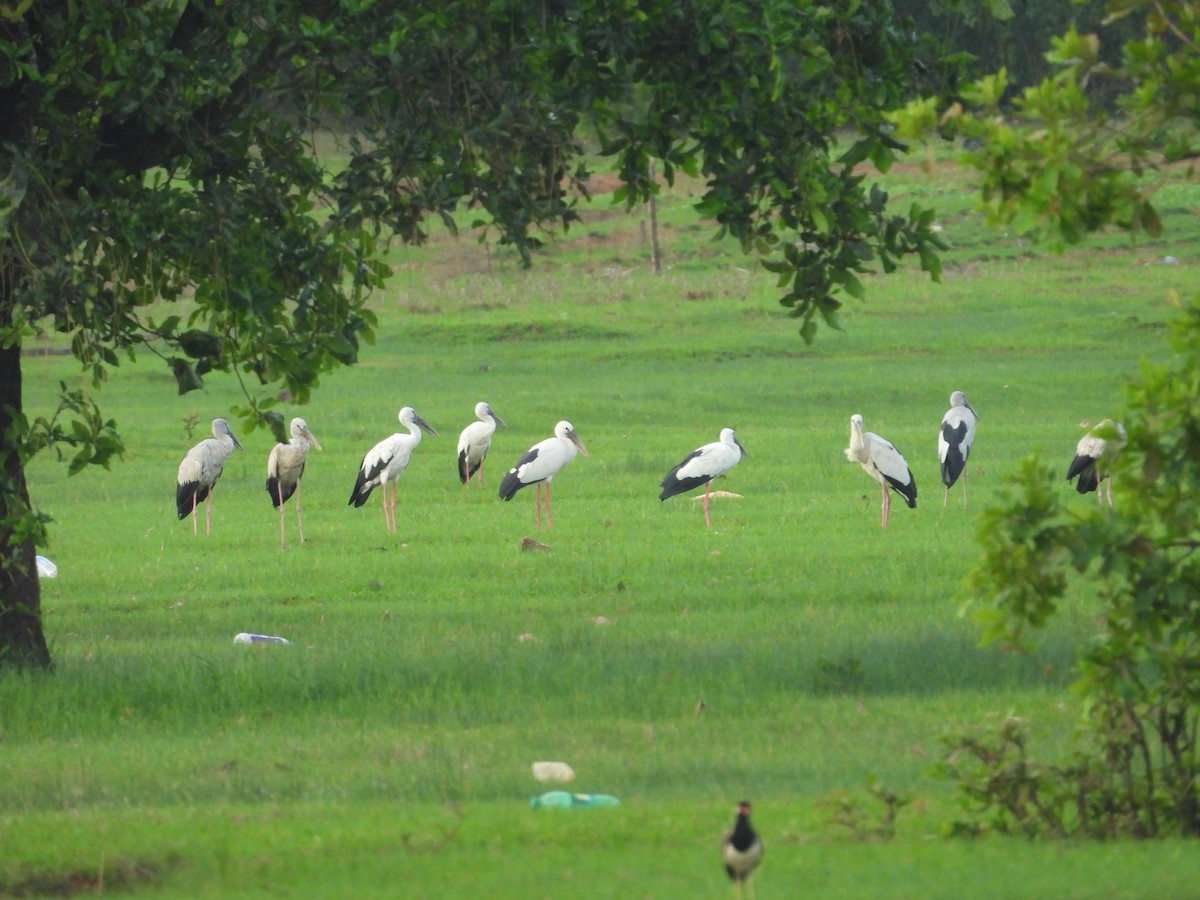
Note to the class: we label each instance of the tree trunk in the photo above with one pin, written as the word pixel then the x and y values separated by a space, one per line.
pixel 22 643
pixel 655 253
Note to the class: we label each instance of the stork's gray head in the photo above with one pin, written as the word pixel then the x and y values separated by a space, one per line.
pixel 958 398
pixel 221 429
pixel 299 429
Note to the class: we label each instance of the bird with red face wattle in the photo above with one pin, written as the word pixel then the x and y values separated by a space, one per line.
pixel 741 849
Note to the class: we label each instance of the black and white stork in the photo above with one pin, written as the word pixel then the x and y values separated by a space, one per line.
pixel 475 442
pixel 199 471
pixel 884 463
pixel 701 466
pixel 386 461
pixel 1094 455
pixel 955 438
pixel 285 465
pixel 540 464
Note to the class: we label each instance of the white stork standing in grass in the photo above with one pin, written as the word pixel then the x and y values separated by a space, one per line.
pixel 386 461
pixel 285 465
pixel 199 471
pixel 954 442
pixel 882 462
pixel 1094 455
pixel 541 463
pixel 701 466
pixel 475 442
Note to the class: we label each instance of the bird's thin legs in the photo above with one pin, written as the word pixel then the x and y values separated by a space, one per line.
pixel 887 505
pixel 480 474
pixel 537 501
pixel 946 496
pixel 1109 479
pixel 707 517
pixel 208 511
pixel 549 524
pixel 389 511
pixel 282 530
pixel 299 521
pixel 195 529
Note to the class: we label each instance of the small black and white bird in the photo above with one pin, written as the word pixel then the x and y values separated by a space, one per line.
pixel 741 849
pixel 1094 455
pixel 541 463
pixel 285 465
pixel 884 463
pixel 955 438
pixel 701 466
pixel 199 471
pixel 386 462
pixel 475 442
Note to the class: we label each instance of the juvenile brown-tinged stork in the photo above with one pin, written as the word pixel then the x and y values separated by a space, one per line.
pixel 199 471
pixel 540 464
pixel 1094 455
pixel 285 465
pixel 701 466
pixel 884 463
pixel 386 461
pixel 475 442
pixel 741 849
pixel 955 438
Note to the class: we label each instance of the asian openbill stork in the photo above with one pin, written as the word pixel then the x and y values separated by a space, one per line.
pixel 285 465
pixel 475 442
pixel 701 466
pixel 541 463
pixel 199 471
pixel 386 461
pixel 882 462
pixel 955 438
pixel 1094 455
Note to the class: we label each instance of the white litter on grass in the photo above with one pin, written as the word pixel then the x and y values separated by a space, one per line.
pixel 46 569
pixel 730 495
pixel 247 638
pixel 553 772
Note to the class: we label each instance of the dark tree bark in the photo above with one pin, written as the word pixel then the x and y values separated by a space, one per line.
pixel 22 643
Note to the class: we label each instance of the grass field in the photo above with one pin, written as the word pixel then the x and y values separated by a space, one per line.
pixel 788 655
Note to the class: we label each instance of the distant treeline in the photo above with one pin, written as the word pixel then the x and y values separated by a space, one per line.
pixel 1019 43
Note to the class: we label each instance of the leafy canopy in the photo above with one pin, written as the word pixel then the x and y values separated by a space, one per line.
pixel 164 190
pixel 1062 162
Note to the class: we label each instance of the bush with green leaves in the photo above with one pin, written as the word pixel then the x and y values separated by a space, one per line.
pixel 1139 679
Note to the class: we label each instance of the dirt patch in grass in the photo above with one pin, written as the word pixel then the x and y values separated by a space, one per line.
pixel 114 875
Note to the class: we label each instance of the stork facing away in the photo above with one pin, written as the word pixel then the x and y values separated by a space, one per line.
pixel 884 463
pixel 1094 456
pixel 475 442
pixel 199 471
pixel 741 849
pixel 285 465
pixel 701 466
pixel 386 461
pixel 955 438
pixel 540 464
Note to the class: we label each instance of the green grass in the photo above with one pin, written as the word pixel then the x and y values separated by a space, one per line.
pixel 788 655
